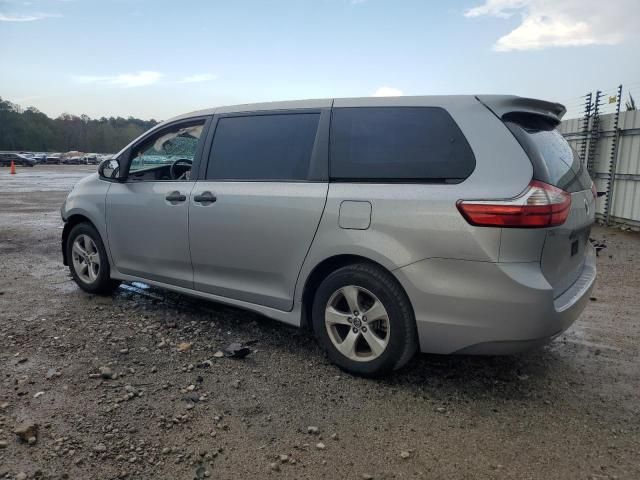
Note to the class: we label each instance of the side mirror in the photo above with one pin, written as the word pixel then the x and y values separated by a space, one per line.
pixel 109 169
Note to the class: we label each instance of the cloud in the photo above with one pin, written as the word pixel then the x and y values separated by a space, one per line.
pixel 29 98
pixel 124 80
pixel 139 79
pixel 387 92
pixel 200 77
pixel 27 18
pixel 561 23
pixel 497 8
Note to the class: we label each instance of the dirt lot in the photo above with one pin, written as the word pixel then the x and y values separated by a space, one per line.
pixel 570 410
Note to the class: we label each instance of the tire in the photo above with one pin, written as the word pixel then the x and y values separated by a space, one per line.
pixel 97 280
pixel 392 333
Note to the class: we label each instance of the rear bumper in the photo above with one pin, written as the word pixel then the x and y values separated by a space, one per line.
pixel 490 308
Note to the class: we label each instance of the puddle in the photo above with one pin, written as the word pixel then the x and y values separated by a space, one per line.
pixel 140 291
pixel 43 178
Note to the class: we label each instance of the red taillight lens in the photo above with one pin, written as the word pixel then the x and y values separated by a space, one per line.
pixel 540 205
pixel 593 190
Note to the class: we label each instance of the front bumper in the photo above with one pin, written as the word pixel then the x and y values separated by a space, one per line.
pixel 490 308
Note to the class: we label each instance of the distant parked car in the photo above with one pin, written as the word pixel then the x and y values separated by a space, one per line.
pixel 73 161
pixel 53 160
pixel 40 158
pixel 18 160
pixel 91 159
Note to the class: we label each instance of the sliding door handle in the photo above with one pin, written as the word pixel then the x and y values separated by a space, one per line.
pixel 175 197
pixel 205 198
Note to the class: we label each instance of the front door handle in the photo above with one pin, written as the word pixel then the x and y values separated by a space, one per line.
pixel 175 197
pixel 205 198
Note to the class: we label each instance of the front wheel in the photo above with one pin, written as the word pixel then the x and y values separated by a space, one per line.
pixel 364 321
pixel 88 260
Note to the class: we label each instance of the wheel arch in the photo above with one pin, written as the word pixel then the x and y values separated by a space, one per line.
pixel 322 270
pixel 72 221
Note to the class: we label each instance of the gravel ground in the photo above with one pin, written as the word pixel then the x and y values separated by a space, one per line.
pixel 132 386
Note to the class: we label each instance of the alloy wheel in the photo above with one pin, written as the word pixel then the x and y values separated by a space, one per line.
pixel 86 259
pixel 357 323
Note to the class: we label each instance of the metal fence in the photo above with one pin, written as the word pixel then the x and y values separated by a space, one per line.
pixel 614 146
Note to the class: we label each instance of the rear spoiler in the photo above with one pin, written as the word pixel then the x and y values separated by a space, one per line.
pixel 501 105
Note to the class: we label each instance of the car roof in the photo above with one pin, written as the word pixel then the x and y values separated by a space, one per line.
pixel 422 100
pixel 256 107
pixel 500 104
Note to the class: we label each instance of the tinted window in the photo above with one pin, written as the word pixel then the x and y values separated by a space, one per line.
pixel 263 147
pixel 398 143
pixel 554 161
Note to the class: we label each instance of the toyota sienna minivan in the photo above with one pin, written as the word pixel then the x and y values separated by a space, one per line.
pixel 445 224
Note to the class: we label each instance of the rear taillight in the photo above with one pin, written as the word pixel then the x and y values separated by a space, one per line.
pixel 593 190
pixel 540 205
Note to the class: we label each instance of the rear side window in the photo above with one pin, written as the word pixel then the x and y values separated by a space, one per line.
pixel 398 144
pixel 263 147
pixel 554 161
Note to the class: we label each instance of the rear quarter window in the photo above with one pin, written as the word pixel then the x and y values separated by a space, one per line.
pixel 410 144
pixel 554 161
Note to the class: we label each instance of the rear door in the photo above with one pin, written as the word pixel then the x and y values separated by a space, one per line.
pixel 255 211
pixel 556 163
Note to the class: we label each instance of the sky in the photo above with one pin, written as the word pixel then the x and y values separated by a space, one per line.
pixel 160 58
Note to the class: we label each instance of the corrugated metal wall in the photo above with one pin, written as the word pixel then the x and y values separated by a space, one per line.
pixel 625 207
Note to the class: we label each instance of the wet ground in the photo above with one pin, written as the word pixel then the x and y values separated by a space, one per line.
pixel 43 178
pixel 569 410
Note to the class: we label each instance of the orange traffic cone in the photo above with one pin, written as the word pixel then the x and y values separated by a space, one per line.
pixel 13 168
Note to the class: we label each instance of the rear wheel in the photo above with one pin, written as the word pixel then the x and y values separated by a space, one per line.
pixel 88 260
pixel 364 321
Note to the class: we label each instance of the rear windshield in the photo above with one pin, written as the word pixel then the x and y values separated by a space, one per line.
pixel 554 161
pixel 403 144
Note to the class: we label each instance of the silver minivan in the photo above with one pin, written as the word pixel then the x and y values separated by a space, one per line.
pixel 445 224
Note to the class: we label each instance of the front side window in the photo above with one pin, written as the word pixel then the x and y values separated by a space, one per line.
pixel 167 155
pixel 398 144
pixel 263 147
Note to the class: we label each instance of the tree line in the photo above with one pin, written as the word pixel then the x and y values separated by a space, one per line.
pixel 31 130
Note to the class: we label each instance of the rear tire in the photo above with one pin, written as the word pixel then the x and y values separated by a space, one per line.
pixel 88 261
pixel 367 346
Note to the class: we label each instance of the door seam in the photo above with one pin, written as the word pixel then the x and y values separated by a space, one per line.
pixel 304 260
pixel 193 275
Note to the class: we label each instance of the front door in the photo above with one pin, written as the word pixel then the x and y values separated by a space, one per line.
pixel 148 215
pixel 253 217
